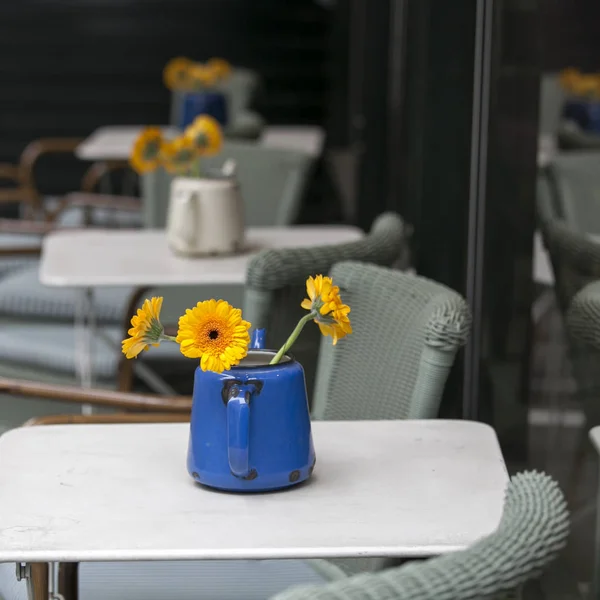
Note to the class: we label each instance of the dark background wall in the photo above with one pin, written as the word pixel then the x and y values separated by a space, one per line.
pixel 570 31
pixel 69 66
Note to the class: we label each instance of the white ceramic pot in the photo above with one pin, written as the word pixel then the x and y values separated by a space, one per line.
pixel 205 217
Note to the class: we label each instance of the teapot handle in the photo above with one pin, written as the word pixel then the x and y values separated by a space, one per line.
pixel 238 430
pixel 187 226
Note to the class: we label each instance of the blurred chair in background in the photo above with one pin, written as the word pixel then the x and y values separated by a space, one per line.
pixel 572 191
pixel 272 183
pixel 575 259
pixel 584 328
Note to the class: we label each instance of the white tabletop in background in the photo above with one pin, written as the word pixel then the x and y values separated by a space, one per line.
pixel 542 269
pixel 294 137
pixel 121 492
pixel 595 437
pixel 115 142
pixel 141 257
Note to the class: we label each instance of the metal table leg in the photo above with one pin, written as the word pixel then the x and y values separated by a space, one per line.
pixel 85 326
pixel 86 332
pixel 54 581
pixel 68 580
pixel 36 577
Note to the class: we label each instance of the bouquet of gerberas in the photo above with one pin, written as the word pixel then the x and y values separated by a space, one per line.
pixel 581 85
pixel 215 332
pixel 185 75
pixel 179 155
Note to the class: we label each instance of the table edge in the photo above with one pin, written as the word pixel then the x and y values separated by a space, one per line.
pixel 427 551
pixel 104 555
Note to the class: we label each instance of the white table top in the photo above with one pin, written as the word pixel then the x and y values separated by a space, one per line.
pixel 115 142
pixel 122 492
pixel 141 257
pixel 294 137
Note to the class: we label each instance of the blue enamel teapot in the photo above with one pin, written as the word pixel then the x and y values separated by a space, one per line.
pixel 194 104
pixel 250 426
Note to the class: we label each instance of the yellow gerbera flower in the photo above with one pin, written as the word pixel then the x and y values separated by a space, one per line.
pixel 176 73
pixel 586 85
pixel 178 154
pixel 200 77
pixel 331 314
pixel 568 78
pixel 220 67
pixel 146 329
pixel 145 154
pixel 206 135
pixel 214 332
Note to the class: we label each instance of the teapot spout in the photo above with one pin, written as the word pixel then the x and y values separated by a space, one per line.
pixel 257 339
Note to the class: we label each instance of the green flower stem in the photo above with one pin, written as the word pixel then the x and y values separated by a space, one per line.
pixel 169 338
pixel 290 341
pixel 195 170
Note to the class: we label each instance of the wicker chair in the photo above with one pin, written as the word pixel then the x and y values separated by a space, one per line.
pixel 572 137
pixel 407 331
pixel 583 327
pixel 583 322
pixel 272 182
pixel 25 189
pixel 575 259
pixel 533 530
pixel 82 208
pixel 574 179
pixel 24 302
pixel 275 283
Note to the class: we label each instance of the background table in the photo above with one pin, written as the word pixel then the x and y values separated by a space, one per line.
pixel 141 257
pixel 294 137
pixel 121 492
pixel 114 142
pixel 87 259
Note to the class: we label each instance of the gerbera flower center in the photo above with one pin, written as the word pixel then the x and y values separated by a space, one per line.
pixel 202 140
pixel 214 332
pixel 151 150
pixel 213 336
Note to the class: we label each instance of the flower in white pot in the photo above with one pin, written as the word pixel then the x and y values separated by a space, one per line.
pixel 180 155
pixel 205 214
pixel 184 75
